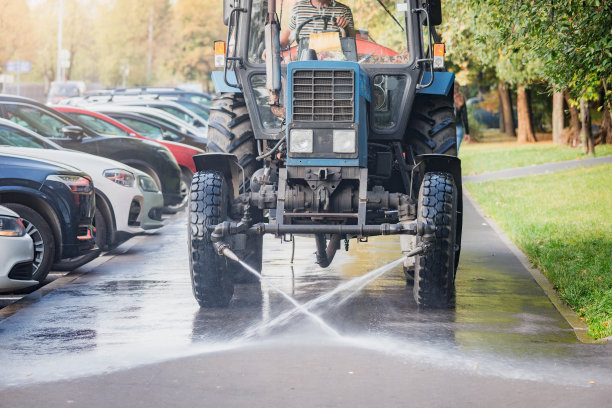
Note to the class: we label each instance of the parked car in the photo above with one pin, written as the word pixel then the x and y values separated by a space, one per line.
pixel 200 98
pixel 154 129
pixel 157 114
pixel 168 106
pixel 16 252
pixel 127 199
pixel 56 204
pixel 147 156
pixel 61 90
pixel 106 125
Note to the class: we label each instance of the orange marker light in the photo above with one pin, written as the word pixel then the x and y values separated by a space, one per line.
pixel 220 54
pixel 438 58
pixel 439 49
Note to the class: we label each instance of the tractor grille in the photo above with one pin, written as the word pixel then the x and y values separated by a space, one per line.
pixel 323 95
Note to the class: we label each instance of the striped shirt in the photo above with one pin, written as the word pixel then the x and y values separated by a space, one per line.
pixel 303 10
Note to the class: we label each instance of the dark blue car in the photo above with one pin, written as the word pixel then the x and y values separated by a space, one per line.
pixel 56 204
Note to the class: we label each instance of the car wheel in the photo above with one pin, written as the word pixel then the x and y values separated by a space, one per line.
pixel 186 177
pixel 44 241
pixel 101 229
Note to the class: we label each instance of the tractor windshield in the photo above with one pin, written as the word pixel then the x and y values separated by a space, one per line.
pixel 364 31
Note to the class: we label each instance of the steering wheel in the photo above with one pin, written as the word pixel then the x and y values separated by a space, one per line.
pixel 311 19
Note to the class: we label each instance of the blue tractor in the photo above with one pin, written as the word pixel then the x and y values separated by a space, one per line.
pixel 336 136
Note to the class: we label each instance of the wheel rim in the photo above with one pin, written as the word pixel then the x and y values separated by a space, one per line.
pixel 39 245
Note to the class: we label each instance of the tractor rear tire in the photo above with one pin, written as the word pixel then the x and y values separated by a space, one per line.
pixel 431 128
pixel 211 278
pixel 230 131
pixel 434 274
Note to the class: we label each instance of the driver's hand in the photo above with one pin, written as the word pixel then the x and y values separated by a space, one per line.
pixel 342 22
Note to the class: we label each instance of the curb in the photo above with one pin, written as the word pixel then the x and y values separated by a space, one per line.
pixel 38 294
pixel 580 328
pixel 538 169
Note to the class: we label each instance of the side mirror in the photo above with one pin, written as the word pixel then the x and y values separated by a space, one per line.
pixel 435 12
pixel 74 133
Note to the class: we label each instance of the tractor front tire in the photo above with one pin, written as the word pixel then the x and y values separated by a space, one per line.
pixel 211 278
pixel 434 274
pixel 230 131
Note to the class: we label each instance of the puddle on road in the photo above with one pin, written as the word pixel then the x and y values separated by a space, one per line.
pixel 125 314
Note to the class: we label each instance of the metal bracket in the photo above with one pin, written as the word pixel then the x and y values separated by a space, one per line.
pixel 232 58
pixel 430 60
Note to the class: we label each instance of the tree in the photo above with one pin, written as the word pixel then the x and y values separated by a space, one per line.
pixel 15 31
pixel 197 28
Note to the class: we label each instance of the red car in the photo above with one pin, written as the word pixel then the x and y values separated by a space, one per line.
pixel 108 126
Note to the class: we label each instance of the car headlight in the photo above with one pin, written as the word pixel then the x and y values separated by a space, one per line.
pixel 11 227
pixel 120 176
pixel 147 184
pixel 76 184
pixel 344 141
pixel 301 141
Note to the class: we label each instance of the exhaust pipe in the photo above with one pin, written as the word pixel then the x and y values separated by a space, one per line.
pixel 273 59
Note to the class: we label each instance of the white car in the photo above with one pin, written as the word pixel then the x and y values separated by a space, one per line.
pixel 157 114
pixel 127 199
pixel 16 253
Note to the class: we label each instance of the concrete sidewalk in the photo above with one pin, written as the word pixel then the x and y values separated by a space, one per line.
pixel 538 169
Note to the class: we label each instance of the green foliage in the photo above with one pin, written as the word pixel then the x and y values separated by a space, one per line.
pixel 567 44
pixel 561 222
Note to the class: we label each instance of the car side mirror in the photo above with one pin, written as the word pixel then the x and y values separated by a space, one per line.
pixel 74 133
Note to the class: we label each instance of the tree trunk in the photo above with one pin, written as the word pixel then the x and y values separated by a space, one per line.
pixel 506 100
pixel 574 122
pixel 502 123
pixel 588 144
pixel 606 126
pixel 525 132
pixel 557 118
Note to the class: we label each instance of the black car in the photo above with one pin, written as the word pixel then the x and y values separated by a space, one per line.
pixel 155 129
pixel 147 156
pixel 56 204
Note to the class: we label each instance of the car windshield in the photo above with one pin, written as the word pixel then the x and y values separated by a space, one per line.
pixel 197 109
pixel 36 120
pixel 14 137
pixel 365 31
pixel 59 89
pixel 99 125
pixel 147 129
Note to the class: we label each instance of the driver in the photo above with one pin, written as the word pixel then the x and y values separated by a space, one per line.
pixel 305 9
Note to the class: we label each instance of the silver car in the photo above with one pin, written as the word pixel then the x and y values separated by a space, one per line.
pixel 16 253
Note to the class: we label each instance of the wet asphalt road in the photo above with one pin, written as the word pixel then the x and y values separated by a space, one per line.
pixel 127 332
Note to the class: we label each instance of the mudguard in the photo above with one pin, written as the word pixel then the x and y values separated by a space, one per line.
pixel 441 163
pixel 447 164
pixel 219 82
pixel 226 163
pixel 442 84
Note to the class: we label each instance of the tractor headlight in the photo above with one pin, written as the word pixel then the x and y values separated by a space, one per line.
pixel 344 141
pixel 301 141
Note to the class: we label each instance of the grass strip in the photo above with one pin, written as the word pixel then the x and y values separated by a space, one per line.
pixel 477 158
pixel 563 223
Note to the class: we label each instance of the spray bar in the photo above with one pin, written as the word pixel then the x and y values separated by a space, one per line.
pixel 227 228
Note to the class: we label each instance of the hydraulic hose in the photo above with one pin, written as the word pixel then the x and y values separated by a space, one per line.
pixel 325 255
